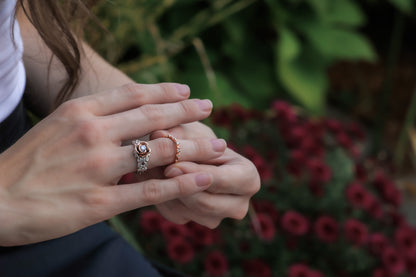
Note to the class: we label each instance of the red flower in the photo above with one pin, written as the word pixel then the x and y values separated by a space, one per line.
pixel 319 171
pixel 266 227
pixel 299 270
pixel 387 189
pixel 295 223
pixel 200 234
pixel 151 221
pixel 312 146
pixel 356 232
pixel 263 168
pixel 377 243
pixel 392 260
pixel 268 208
pixel 344 140
pixel 315 273
pixel 406 241
pixel 216 263
pixel 326 228
pixel 381 272
pixel 179 250
pixel 359 196
pixel 221 117
pixel 256 268
pixel 355 130
pixel 376 210
pixel 316 188
pixel 285 112
pixel 333 125
pixel 172 230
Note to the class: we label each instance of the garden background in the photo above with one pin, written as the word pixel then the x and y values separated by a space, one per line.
pixel 319 94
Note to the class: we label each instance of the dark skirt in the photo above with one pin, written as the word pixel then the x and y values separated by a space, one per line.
pixel 95 251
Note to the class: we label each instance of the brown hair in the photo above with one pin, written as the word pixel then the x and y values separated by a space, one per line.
pixel 59 24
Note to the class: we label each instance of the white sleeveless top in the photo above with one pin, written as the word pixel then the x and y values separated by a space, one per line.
pixel 12 71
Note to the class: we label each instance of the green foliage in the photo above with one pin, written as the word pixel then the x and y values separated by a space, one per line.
pixel 245 51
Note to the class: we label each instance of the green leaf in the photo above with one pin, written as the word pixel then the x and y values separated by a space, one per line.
pixel 320 6
pixel 345 12
pixel 305 79
pixel 288 45
pixel 339 43
pixel 405 6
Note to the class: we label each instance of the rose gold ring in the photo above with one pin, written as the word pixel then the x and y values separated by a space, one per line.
pixel 142 153
pixel 178 147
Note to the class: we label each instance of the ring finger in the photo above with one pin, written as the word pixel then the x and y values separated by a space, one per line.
pixel 164 151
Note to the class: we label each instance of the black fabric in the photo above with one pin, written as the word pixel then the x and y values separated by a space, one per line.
pixel 95 251
pixel 13 127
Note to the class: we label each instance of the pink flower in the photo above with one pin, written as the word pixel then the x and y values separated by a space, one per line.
pixel 319 171
pixel 356 232
pixel 326 229
pixel 359 196
pixel 295 223
pixel 344 140
pixel 180 250
pixel 376 210
pixel 333 125
pixel 150 221
pixel 377 243
pixel 216 263
pixel 316 188
pixel 256 268
pixel 392 260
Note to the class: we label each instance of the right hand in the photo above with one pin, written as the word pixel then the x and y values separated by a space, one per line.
pixel 61 176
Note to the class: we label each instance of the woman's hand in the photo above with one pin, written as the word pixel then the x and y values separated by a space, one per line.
pixel 62 175
pixel 235 181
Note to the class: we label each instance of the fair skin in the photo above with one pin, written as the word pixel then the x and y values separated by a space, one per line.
pixel 62 175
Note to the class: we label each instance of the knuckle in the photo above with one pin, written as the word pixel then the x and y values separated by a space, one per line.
pixel 96 163
pixel 205 206
pixel 133 91
pixel 213 223
pixel 88 131
pixel 187 107
pixel 166 88
pixel 154 114
pixel 240 213
pixel 152 192
pixel 165 149
pixel 70 108
pixel 95 199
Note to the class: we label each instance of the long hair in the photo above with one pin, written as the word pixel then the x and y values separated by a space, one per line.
pixel 59 24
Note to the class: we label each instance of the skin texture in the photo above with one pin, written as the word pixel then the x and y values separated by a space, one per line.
pixel 62 175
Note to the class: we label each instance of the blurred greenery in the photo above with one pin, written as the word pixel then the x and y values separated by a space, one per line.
pixel 245 51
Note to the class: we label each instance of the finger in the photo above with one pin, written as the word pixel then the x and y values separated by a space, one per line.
pixel 148 118
pixel 134 95
pixel 187 131
pixel 178 213
pixel 163 152
pixel 238 179
pixel 127 197
pixel 209 205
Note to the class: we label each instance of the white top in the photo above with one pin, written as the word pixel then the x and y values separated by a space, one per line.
pixel 12 71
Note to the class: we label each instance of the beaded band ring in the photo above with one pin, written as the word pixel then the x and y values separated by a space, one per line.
pixel 178 147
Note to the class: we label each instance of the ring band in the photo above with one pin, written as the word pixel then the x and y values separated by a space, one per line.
pixel 178 147
pixel 142 153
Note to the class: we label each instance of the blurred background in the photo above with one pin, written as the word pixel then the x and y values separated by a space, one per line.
pixel 343 67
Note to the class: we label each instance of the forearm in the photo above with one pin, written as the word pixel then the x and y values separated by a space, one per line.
pixel 96 74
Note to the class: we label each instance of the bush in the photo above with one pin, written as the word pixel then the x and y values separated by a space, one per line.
pixel 323 209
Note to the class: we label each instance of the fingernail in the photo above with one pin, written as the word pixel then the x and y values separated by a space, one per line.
pixel 182 89
pixel 218 145
pixel 173 172
pixel 204 105
pixel 203 179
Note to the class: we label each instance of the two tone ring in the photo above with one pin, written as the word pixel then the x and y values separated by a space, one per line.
pixel 141 151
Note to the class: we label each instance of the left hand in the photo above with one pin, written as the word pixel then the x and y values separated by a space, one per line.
pixel 235 181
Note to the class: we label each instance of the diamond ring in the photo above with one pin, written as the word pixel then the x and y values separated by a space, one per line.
pixel 142 154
